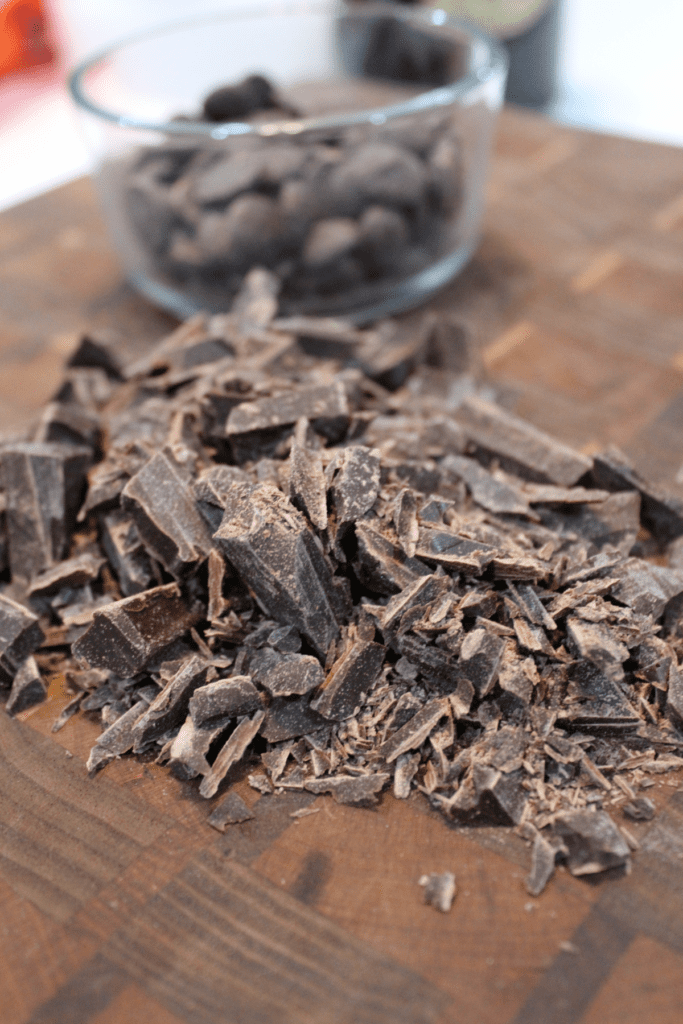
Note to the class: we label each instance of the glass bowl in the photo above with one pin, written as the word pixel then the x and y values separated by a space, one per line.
pixel 362 190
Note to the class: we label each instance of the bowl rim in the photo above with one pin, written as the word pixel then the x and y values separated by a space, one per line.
pixel 493 62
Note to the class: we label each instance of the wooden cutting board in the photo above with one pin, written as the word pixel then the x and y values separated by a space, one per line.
pixel 119 904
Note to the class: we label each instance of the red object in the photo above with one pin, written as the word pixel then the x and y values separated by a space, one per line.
pixel 23 36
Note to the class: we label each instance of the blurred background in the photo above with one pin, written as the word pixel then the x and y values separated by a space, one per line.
pixel 607 65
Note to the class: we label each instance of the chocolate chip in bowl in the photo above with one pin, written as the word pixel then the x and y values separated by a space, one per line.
pixel 343 148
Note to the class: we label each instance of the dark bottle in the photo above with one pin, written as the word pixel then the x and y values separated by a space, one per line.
pixel 533 60
pixel 529 30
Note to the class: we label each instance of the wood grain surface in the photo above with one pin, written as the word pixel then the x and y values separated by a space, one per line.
pixel 118 903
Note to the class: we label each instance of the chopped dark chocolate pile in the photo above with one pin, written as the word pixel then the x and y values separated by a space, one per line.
pixel 278 561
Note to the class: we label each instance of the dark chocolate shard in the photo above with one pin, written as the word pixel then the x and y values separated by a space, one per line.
pixel 505 748
pixel 416 730
pixel 319 401
pixel 43 486
pixel 354 483
pixel 166 515
pixel 662 513
pixel 503 799
pixel 94 353
pixel 550 494
pixel 461 697
pixel 232 751
pixel 285 639
pixel 640 809
pixel 350 789
pixel 404 773
pixel 88 387
pixel 424 477
pixel 439 890
pixel 596 642
pixel 67 712
pixel 127 634
pixel 212 491
pixel 261 784
pixel 217 603
pixel 68 423
pixel 390 353
pixel 188 751
pixel 126 553
pixel 542 865
pixel 645 587
pixel 307 488
pixel 487 491
pixel 459 554
pixel 593 699
pixel 169 708
pixel 579 594
pixel 517 566
pixel 354 674
pixel 290 717
pixel 73 573
pixel 324 337
pixel 480 657
pixel 383 566
pixel 615 521
pixel 117 739
pixel 286 675
pixel 530 605
pixel 276 760
pixel 674 696
pixel 592 841
pixel 526 448
pixel 232 810
pixel 415 438
pixel 422 591
pixel 405 520
pixel 513 678
pixel 3 534
pixel 20 636
pixel 606 563
pixel 532 638
pixel 272 548
pixel 28 688
pixel 224 698
pixel 487 794
pixel 437 666
pixel 106 480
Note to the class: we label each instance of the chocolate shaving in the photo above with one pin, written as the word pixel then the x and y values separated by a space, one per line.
pixel 345 789
pixel 231 752
pixel 439 890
